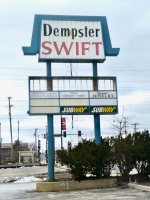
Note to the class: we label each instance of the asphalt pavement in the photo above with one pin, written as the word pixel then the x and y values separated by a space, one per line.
pixel 26 171
pixel 26 191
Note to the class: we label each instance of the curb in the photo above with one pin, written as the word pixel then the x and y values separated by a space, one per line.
pixel 139 187
pixel 74 185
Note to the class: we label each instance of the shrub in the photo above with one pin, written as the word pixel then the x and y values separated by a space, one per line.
pixel 82 159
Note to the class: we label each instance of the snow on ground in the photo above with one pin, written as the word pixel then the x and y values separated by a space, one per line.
pixel 133 171
pixel 25 174
pixel 21 179
pixel 28 179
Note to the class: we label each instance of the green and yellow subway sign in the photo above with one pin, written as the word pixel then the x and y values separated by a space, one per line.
pixel 103 109
pixel 74 109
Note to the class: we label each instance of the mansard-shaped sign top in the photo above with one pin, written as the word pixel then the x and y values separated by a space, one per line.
pixel 70 39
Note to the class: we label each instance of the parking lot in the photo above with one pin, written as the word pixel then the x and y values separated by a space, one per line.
pixel 26 191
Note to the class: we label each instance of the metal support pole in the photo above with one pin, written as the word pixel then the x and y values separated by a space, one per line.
pixel 46 138
pixel 51 148
pixel 97 130
pixel 61 134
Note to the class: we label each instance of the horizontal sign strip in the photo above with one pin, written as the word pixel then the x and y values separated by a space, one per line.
pixel 74 102
pixel 44 110
pixel 103 109
pixel 74 95
pixel 79 109
pixel 105 94
pixel 44 102
pixel 44 95
pixel 103 102
pixel 69 110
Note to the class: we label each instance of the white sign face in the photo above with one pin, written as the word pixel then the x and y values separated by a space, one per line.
pixel 71 40
pixel 74 95
pixel 39 95
pixel 103 95
pixel 103 102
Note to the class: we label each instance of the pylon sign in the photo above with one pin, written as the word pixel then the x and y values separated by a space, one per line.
pixel 70 38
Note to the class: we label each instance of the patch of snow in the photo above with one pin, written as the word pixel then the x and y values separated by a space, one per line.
pixel 27 179
pixel 21 179
pixel 90 175
pixel 133 171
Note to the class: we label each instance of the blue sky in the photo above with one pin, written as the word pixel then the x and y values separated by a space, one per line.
pixel 129 28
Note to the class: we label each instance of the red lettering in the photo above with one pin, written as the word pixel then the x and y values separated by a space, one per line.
pixel 77 48
pixel 97 46
pixel 84 48
pixel 49 50
pixel 63 45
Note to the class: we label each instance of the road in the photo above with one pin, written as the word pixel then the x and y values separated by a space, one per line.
pixel 26 191
pixel 26 171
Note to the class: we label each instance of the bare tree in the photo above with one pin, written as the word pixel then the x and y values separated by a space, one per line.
pixel 122 122
pixel 31 146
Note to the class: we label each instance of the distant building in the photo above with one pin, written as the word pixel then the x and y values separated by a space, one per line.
pixel 6 151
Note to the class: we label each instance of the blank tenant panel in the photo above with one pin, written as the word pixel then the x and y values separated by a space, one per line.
pixel 44 102
pixel 44 110
pixel 74 102
pixel 103 102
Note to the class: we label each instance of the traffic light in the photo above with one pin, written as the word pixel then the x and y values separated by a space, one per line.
pixel 79 133
pixel 39 147
pixel 64 133
pixel 39 150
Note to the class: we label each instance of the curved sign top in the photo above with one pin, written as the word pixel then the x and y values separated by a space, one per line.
pixel 70 39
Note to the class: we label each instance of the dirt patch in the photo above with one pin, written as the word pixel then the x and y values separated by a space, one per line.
pixel 122 181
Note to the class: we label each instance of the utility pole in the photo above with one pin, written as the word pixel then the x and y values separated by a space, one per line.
pixel 18 135
pixel 135 124
pixel 0 145
pixel 125 126
pixel 10 127
pixel 35 134
pixel 120 122
pixel 18 141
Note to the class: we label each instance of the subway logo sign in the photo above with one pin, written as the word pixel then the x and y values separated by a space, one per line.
pixel 74 109
pixel 103 109
pixel 89 110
